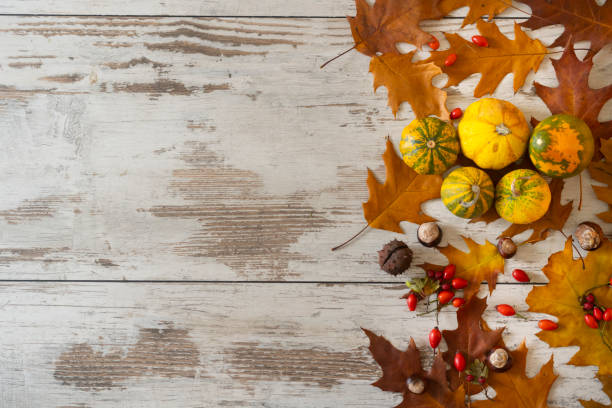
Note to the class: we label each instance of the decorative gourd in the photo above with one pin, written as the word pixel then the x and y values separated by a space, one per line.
pixel 467 192
pixel 493 133
pixel 522 196
pixel 561 146
pixel 429 145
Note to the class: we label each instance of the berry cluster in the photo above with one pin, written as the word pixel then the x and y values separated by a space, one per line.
pixel 442 283
pixel 593 312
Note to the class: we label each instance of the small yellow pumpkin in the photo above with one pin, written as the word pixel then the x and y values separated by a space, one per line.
pixel 493 133
pixel 522 196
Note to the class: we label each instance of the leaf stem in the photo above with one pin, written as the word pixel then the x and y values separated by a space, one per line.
pixel 338 56
pixel 345 243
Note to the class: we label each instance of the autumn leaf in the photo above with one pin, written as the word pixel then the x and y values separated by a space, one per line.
pixel 398 366
pixel 514 389
pixel 560 297
pixel 377 28
pixel 583 20
pixel 607 387
pixel 574 96
pixel 470 338
pixel 482 262
pixel 602 171
pixel 478 8
pixel 408 82
pixel 502 57
pixel 400 197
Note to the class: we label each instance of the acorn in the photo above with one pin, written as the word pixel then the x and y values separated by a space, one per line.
pixel 429 234
pixel 589 236
pixel 506 247
pixel 499 360
pixel 395 257
pixel 415 385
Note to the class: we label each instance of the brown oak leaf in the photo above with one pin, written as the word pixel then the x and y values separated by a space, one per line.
pixel 398 366
pixel 409 82
pixel 377 28
pixel 482 262
pixel 514 389
pixel 606 380
pixel 574 96
pixel 502 57
pixel 478 8
pixel 400 197
pixel 583 20
pixel 602 171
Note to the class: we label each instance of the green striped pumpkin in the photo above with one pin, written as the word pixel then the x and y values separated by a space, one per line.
pixel 467 192
pixel 522 196
pixel 429 145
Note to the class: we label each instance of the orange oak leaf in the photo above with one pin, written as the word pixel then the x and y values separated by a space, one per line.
pixel 515 390
pixel 574 96
pixel 398 366
pixel 377 28
pixel 583 20
pixel 502 57
pixel 568 281
pixel 607 387
pixel 482 262
pixel 408 82
pixel 471 338
pixel 478 8
pixel 401 196
pixel 602 171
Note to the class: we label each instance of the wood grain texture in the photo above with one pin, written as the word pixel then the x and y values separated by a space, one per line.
pixel 212 345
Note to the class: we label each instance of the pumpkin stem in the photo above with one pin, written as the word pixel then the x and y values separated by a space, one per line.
pixel 516 193
pixel 502 130
pixel 431 144
pixel 345 243
pixel 476 191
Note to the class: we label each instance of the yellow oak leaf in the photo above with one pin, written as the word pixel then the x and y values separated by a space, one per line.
pixel 478 8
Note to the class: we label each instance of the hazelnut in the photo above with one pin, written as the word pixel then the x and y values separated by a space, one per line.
pixel 429 234
pixel 506 247
pixel 395 257
pixel 499 360
pixel 415 385
pixel 589 236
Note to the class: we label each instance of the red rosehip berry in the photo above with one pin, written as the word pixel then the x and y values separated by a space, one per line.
pixel 458 302
pixel 449 272
pixel 591 321
pixel 587 306
pixel 506 310
pixel 439 275
pixel 412 301
pixel 598 313
pixel 590 298
pixel 445 296
pixel 482 380
pixel 431 274
pixel 456 113
pixel 450 60
pixel 434 44
pixel 434 337
pixel 546 324
pixel 607 316
pixel 459 283
pixel 610 282
pixel 480 41
pixel 469 378
pixel 459 362
pixel 520 275
pixel 446 286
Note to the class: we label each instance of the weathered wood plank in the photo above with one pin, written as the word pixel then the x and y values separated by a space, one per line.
pixel 211 345
pixel 208 149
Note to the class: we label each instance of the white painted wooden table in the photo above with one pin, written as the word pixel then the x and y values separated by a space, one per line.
pixel 174 174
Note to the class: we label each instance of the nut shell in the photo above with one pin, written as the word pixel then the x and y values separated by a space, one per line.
pixel 506 247
pixel 395 257
pixel 429 234
pixel 589 235
pixel 499 360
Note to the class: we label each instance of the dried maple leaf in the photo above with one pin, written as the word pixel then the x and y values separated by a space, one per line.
pixel 401 196
pixel 568 281
pixel 379 27
pixel 574 96
pixel 583 20
pixel 398 366
pixel 607 387
pixel 471 338
pixel 408 82
pixel 502 57
pixel 515 390
pixel 478 8
pixel 602 171
pixel 482 262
